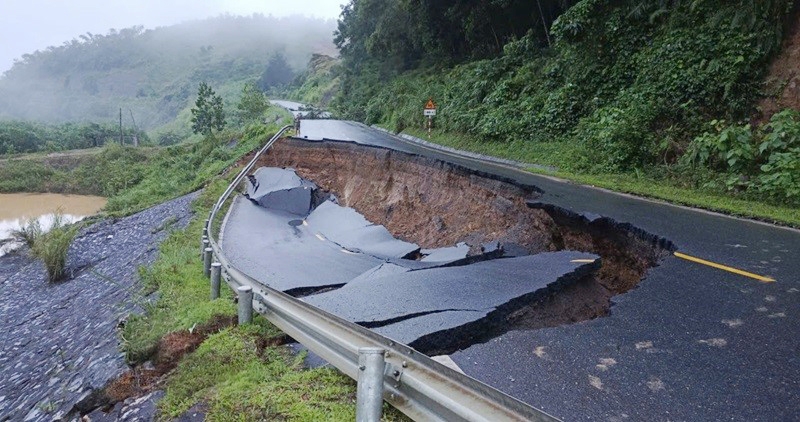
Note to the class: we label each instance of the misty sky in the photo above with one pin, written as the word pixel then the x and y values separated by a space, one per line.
pixel 30 25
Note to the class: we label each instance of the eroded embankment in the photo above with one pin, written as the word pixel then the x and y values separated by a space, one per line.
pixel 437 204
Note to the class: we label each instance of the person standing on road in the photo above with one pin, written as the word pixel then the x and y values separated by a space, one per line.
pixel 297 125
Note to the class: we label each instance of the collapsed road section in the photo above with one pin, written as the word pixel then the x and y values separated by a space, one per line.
pixel 428 253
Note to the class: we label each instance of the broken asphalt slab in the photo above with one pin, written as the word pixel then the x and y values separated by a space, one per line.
pixel 280 189
pixel 450 254
pixel 408 305
pixel 263 244
pixel 350 230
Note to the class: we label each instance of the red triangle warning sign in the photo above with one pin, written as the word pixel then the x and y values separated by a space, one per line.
pixel 430 104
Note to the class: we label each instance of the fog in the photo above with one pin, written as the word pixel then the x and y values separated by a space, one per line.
pixel 30 25
pixel 153 74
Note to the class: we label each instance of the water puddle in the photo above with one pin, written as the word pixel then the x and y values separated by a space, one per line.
pixel 17 208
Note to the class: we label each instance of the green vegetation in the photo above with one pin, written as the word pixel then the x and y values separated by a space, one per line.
pixel 232 375
pixel 51 245
pixel 137 178
pixel 319 83
pixel 103 172
pixel 655 90
pixel 28 233
pixel 52 249
pixel 252 104
pixel 277 74
pixel 207 113
pixel 18 137
pixel 765 159
pixel 153 74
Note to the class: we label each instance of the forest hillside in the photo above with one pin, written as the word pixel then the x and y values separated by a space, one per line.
pixel 153 74
pixel 665 90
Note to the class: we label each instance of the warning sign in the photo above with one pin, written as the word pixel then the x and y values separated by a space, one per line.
pixel 430 108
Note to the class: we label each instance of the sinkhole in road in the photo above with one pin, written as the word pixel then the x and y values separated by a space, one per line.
pixel 437 204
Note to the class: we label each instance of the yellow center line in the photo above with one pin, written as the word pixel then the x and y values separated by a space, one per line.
pixel 725 268
pixel 583 260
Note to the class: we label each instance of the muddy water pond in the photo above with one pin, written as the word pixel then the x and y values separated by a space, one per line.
pixel 17 208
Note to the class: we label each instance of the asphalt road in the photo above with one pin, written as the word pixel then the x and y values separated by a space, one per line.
pixel 691 342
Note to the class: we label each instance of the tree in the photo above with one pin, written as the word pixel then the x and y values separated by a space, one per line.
pixel 208 114
pixel 277 73
pixel 252 104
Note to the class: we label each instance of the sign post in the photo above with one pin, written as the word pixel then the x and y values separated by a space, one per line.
pixel 429 111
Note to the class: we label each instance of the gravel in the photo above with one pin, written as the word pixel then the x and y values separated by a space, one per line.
pixel 59 344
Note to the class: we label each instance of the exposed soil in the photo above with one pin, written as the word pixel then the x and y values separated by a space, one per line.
pixel 417 199
pixel 782 84
pixel 437 204
pixel 143 379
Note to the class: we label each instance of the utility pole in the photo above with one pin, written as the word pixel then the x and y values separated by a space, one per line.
pixel 135 130
pixel 121 140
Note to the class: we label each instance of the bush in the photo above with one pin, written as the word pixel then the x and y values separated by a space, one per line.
pixel 615 139
pixel 764 160
pixel 48 246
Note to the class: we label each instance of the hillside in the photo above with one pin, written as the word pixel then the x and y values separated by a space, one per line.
pixel 153 74
pixel 782 83
pixel 660 90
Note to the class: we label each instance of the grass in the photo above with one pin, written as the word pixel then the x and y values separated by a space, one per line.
pixel 236 379
pixel 183 290
pixel 559 154
pixel 49 246
pixel 184 168
pixel 28 233
pixel 99 171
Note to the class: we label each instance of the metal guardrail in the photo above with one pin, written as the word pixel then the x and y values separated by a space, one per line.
pixel 418 386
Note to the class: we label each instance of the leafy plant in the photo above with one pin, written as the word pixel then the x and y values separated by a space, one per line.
pixel 252 103
pixel 208 114
pixel 765 160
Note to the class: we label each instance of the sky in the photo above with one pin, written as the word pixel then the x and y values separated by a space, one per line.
pixel 30 25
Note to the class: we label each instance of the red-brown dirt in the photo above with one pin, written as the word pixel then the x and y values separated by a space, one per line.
pixel 171 348
pixel 782 83
pixel 436 204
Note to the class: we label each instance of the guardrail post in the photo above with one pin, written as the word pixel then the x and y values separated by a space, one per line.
pixel 204 243
pixel 216 275
pixel 207 252
pixel 245 304
pixel 369 393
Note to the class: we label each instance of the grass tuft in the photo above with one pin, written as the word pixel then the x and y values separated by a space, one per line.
pixel 28 233
pixel 48 246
